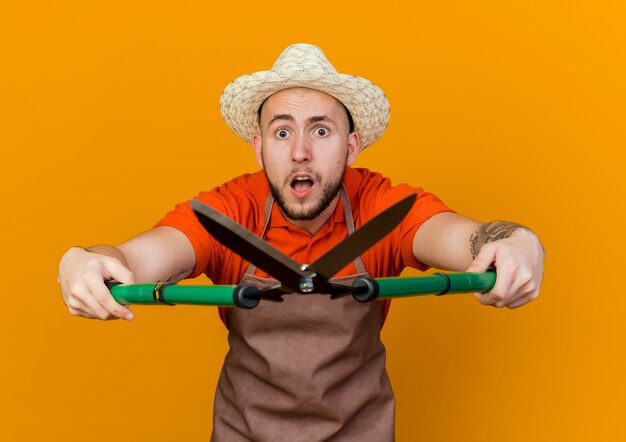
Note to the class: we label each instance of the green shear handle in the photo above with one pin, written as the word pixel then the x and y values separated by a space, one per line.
pixel 364 290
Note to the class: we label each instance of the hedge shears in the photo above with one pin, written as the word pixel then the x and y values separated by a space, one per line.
pixel 294 277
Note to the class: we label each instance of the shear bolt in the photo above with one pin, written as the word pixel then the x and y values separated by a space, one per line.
pixel 306 285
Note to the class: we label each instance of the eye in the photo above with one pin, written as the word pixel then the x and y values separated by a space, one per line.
pixel 282 133
pixel 321 131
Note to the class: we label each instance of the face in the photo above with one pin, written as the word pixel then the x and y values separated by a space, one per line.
pixel 304 148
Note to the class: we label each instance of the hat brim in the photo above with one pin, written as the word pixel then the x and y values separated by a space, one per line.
pixel 367 103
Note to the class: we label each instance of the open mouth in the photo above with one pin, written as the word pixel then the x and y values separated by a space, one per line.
pixel 301 185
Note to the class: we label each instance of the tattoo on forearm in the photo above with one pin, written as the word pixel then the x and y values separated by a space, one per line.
pixel 489 232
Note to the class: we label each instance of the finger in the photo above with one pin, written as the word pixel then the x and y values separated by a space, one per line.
pixel 486 298
pixel 102 296
pixel 521 285
pixel 72 297
pixel 501 289
pixel 95 309
pixel 81 313
pixel 529 297
pixel 81 300
pixel 483 260
pixel 520 298
pixel 78 308
pixel 482 298
pixel 115 270
pixel 530 293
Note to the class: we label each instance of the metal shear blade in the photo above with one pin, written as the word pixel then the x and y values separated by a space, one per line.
pixel 289 273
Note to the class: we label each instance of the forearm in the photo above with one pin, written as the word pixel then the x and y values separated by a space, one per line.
pixel 161 254
pixel 451 241
pixel 443 241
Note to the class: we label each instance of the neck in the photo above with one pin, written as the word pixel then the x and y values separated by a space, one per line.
pixel 313 226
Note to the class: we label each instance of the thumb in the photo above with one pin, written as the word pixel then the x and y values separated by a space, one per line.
pixel 119 272
pixel 483 260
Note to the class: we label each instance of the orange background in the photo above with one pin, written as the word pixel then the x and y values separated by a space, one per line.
pixel 506 110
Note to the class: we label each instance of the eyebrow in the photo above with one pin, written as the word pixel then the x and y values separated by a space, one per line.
pixel 287 117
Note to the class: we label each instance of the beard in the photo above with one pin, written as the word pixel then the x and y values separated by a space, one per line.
pixel 296 213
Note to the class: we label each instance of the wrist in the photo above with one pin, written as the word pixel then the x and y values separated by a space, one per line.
pixel 528 235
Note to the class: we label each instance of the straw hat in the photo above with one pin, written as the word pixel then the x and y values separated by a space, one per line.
pixel 304 65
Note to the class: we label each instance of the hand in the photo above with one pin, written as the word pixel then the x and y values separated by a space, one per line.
pixel 82 275
pixel 519 263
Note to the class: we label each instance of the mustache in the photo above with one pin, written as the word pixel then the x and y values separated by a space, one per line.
pixel 305 169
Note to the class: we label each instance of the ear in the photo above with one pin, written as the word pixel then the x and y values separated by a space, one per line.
pixel 354 144
pixel 257 145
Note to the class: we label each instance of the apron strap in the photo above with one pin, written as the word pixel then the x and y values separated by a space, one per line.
pixel 347 210
pixel 266 222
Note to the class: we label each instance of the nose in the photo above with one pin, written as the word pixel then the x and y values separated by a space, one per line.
pixel 301 150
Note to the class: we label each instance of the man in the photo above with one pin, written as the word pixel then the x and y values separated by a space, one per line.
pixel 310 368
